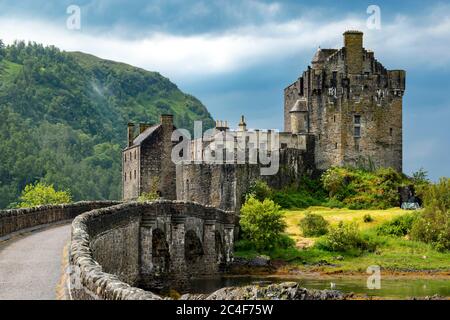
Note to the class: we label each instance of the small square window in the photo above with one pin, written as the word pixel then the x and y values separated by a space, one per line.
pixel 357 119
pixel 357 131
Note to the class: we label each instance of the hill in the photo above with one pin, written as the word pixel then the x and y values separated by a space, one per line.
pixel 64 115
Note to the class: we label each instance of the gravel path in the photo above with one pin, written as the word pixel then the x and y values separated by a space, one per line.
pixel 30 265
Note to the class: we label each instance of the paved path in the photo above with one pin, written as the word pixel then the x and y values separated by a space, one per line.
pixel 30 265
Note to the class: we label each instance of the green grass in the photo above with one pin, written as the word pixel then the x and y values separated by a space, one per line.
pixel 392 253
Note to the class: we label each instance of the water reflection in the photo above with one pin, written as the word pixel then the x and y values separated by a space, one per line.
pixel 390 288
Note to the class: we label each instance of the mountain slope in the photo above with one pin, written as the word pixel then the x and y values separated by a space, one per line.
pixel 64 115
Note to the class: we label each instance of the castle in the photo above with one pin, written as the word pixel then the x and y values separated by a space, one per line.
pixel 346 108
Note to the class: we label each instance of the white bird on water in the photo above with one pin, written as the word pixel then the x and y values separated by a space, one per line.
pixel 332 285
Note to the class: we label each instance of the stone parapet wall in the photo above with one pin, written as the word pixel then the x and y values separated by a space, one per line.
pixel 16 220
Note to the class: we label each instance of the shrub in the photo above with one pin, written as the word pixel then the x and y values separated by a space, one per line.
pixel 40 194
pixel 362 189
pixel 262 223
pixel 345 237
pixel 367 218
pixel 148 196
pixel 399 226
pixel 260 190
pixel 313 225
pixel 433 225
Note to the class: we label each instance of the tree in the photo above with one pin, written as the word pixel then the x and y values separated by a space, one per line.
pixel 2 50
pixel 40 194
pixel 262 223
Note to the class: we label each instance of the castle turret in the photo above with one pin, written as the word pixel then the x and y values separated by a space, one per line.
pixel 299 116
pixel 353 43
pixel 242 126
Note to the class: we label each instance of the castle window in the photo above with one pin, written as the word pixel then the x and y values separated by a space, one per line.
pixel 391 131
pixel 357 122
pixel 134 154
pixel 335 145
pixel 134 174
pixel 130 156
pixel 334 118
pixel 130 175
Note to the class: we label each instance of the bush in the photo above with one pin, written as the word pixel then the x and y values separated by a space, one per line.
pixel 362 189
pixel 259 190
pixel 148 196
pixel 433 225
pixel 345 237
pixel 313 225
pixel 41 194
pixel 399 226
pixel 367 218
pixel 262 223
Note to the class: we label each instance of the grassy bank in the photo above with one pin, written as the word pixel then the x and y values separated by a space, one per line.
pixel 392 253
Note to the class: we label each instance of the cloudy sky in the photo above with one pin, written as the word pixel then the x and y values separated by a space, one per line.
pixel 237 56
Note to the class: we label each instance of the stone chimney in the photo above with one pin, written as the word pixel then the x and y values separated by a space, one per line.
pixel 143 127
pixel 353 43
pixel 167 121
pixel 130 134
pixel 221 125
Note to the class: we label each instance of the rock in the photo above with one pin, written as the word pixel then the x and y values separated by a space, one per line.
pixel 280 291
pixel 260 261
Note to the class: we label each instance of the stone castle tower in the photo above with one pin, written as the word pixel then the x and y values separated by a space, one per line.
pixel 351 104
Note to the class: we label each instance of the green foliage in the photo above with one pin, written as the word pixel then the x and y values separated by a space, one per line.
pixel 313 225
pixel 367 218
pixel 262 223
pixel 399 226
pixel 40 194
pixel 259 190
pixel 345 237
pixel 64 115
pixel 148 196
pixel 359 189
pixel 309 192
pixel 433 225
pixel 333 203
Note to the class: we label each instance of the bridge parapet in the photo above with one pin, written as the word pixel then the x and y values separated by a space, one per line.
pixel 24 219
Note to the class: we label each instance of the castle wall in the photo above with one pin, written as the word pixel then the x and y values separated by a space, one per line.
pixel 131 170
pixel 156 167
pixel 224 185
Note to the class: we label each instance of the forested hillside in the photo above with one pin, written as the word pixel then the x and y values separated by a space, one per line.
pixel 63 118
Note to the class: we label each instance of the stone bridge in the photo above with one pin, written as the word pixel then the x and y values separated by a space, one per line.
pixel 147 245
pixel 116 248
